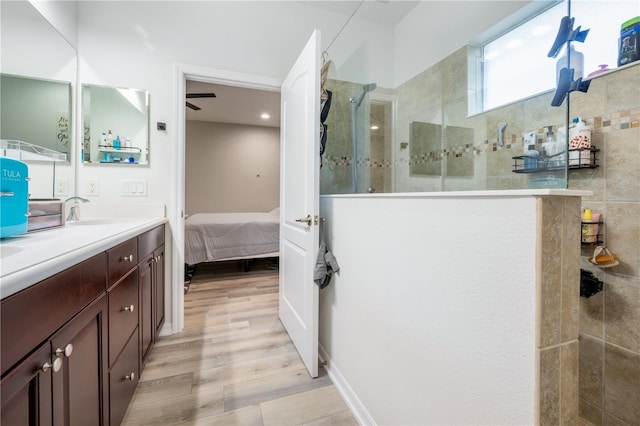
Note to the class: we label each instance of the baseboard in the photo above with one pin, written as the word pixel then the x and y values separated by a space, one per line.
pixel 166 330
pixel 350 398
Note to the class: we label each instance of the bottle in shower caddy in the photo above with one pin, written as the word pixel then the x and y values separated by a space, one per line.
pixel 531 158
pixel 577 63
pixel 590 224
pixel 543 159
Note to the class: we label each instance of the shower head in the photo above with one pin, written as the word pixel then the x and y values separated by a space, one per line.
pixel 365 89
pixel 369 87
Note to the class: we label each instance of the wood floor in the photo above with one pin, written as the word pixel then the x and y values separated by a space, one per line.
pixel 233 364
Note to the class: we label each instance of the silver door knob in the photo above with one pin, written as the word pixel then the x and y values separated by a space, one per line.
pixel 127 258
pixel 56 366
pixel 66 351
pixel 306 220
pixel 129 308
pixel 131 376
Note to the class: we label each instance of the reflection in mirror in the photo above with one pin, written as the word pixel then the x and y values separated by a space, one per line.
pixel 115 124
pixel 37 112
pixel 36 62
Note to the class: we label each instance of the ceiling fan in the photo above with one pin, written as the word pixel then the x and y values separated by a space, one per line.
pixel 198 95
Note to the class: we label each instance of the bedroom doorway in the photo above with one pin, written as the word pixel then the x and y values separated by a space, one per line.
pixel 236 88
pixel 232 172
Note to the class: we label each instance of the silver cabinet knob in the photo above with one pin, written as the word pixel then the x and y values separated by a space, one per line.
pixel 127 258
pixel 131 376
pixel 56 366
pixel 130 308
pixel 66 351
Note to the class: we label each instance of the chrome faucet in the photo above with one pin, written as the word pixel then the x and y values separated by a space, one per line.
pixel 73 213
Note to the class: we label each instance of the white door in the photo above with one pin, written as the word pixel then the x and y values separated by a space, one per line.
pixel 299 200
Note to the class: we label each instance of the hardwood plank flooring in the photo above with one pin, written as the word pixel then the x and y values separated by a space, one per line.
pixel 234 363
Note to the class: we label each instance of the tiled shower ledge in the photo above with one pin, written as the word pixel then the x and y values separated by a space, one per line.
pixel 469 194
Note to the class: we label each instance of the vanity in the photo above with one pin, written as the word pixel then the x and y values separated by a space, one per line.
pixel 79 316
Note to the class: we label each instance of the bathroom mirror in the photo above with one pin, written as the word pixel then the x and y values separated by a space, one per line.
pixel 38 72
pixel 36 111
pixel 115 125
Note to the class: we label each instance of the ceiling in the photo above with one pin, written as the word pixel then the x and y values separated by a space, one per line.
pixel 238 105
pixel 381 11
pixel 235 105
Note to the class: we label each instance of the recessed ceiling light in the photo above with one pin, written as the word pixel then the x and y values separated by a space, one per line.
pixel 374 127
pixel 265 116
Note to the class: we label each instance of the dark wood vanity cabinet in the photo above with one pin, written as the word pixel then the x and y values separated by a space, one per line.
pixel 72 345
pixel 27 392
pixel 80 386
pixel 151 279
pixel 62 380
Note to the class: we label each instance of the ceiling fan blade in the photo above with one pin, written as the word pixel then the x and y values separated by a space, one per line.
pixel 200 95
pixel 193 107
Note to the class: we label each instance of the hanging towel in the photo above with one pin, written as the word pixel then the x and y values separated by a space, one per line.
pixel 326 264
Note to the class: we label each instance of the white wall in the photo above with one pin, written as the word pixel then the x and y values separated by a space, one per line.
pixel 431 319
pixel 231 168
pixel 63 15
pixel 414 46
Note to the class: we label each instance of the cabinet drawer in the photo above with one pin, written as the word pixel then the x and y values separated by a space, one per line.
pixel 122 258
pixel 29 317
pixel 150 240
pixel 123 378
pixel 123 313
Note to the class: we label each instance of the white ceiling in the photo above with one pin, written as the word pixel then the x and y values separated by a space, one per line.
pixel 234 105
pixel 244 106
pixel 381 11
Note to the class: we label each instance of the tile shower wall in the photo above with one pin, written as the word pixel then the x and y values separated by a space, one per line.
pixel 609 363
pixel 609 345
pixel 610 320
pixel 374 164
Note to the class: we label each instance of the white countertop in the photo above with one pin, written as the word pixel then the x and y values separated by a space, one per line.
pixel 29 258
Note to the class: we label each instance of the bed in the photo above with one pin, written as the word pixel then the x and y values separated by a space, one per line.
pixel 211 237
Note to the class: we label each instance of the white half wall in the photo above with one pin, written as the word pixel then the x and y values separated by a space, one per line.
pixel 231 168
pixel 431 319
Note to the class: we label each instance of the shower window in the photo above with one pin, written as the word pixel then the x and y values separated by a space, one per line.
pixel 516 65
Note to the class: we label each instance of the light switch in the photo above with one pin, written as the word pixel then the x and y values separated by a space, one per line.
pixel 134 188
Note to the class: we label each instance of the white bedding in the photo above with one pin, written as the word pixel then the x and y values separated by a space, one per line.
pixel 218 236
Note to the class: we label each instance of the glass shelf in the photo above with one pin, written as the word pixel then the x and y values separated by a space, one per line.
pixel 25 151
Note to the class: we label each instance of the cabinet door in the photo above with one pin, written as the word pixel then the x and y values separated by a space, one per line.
pixel 80 387
pixel 147 327
pixel 26 390
pixel 158 289
pixel 123 379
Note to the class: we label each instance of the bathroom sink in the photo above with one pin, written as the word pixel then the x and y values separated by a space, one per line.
pixel 97 221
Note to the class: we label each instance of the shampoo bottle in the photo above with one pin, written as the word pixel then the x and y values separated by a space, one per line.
pixel 109 139
pixel 577 63
pixel 531 158
pixel 590 226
